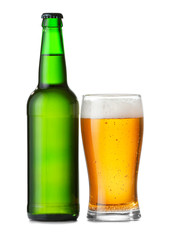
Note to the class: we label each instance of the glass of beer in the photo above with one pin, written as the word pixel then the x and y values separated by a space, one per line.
pixel 112 131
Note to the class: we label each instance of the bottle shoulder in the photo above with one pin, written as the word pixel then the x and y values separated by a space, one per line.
pixel 62 92
pixel 51 100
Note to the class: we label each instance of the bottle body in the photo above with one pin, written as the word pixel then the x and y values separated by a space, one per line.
pixel 53 154
pixel 52 144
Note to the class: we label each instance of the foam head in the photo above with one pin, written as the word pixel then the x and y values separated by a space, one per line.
pixel 112 106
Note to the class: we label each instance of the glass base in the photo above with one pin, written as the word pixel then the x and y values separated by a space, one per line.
pixel 119 216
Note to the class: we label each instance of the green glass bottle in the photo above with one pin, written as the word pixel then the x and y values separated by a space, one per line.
pixel 52 111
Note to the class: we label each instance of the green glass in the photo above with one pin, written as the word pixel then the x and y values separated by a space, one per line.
pixel 52 133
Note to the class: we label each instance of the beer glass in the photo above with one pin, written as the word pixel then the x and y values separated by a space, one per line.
pixel 112 131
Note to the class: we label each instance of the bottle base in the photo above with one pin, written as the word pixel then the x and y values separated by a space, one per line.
pixel 52 217
pixel 119 216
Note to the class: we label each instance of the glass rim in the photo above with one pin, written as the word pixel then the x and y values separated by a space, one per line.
pixel 112 95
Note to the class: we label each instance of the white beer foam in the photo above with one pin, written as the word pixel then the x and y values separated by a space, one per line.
pixel 112 106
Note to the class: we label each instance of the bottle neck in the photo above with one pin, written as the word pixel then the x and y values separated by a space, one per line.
pixel 52 68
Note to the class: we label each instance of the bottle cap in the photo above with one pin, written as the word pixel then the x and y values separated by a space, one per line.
pixel 51 15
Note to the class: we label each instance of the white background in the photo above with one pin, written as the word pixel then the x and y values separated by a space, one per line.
pixel 111 47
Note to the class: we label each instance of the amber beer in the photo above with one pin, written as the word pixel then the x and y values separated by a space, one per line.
pixel 112 130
